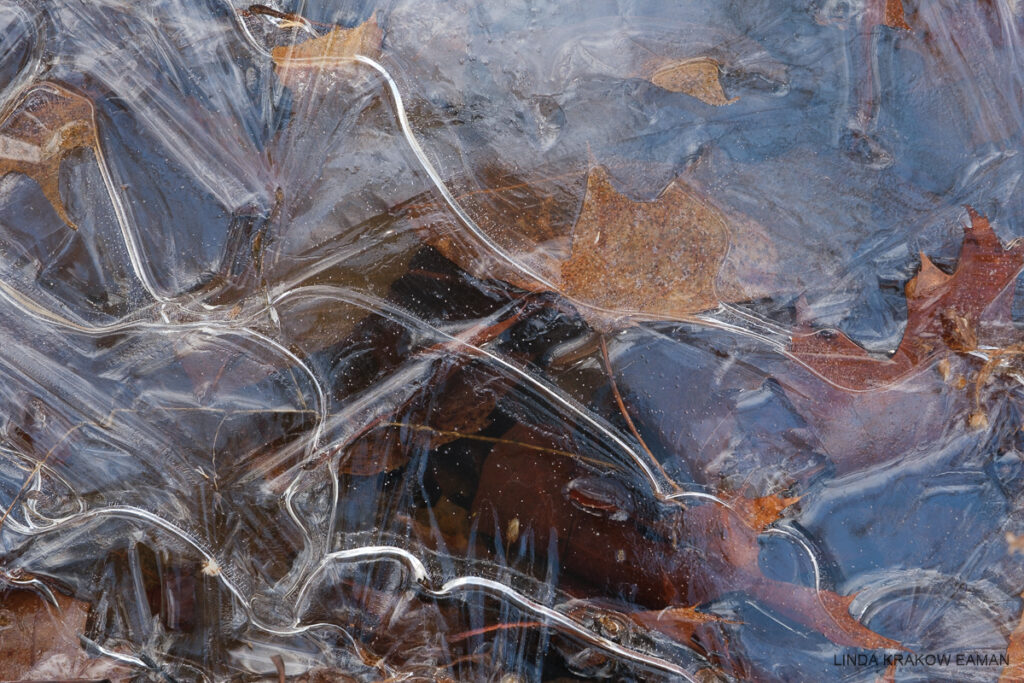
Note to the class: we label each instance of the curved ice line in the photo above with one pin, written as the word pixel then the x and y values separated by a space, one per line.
pixel 782 531
pixel 135 257
pixel 131 242
pixel 435 177
pixel 31 584
pixel 132 512
pixel 453 586
pixel 213 328
pixel 375 305
pixel 417 150
pixel 700 495
pixel 415 565
pixel 33 67
pixel 113 654
pixel 321 396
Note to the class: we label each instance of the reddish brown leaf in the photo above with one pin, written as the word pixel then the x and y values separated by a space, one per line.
pixel 658 557
pixel 625 258
pixel 857 429
pixel 40 642
pixel 616 257
pixel 943 315
pixel 893 15
pixel 47 124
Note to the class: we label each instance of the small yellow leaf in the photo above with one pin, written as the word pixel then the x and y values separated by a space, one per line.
pixel 697 77
pixel 332 50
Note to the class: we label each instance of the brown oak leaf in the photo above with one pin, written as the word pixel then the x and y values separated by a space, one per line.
pixel 622 258
pixel 943 316
pixel 659 258
pixel 45 125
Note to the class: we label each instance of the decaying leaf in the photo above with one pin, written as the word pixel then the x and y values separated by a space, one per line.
pixel 44 126
pixel 39 642
pixel 332 50
pixel 659 258
pixel 616 257
pixel 760 513
pixel 943 316
pixel 697 77
pixel 655 258
pixel 892 14
pixel 621 545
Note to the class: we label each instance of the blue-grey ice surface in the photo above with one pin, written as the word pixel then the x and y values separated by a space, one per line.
pixel 249 409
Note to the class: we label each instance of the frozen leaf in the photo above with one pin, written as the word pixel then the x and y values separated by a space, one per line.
pixel 658 258
pixel 760 513
pixel 614 256
pixel 891 14
pixel 668 558
pixel 943 315
pixel 697 77
pixel 655 258
pixel 330 51
pixel 47 124
pixel 40 642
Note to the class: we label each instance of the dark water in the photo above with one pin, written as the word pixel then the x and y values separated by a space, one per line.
pixel 255 405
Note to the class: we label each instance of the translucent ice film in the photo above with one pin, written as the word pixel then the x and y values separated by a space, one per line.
pixel 511 340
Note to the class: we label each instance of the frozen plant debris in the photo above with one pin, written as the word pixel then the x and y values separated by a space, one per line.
pixel 478 341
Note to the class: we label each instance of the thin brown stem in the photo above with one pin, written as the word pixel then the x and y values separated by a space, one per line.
pixel 625 413
pixel 494 627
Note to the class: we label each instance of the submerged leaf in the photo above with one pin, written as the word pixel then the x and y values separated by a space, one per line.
pixel 893 15
pixel 697 77
pixel 47 124
pixel 943 315
pixel 660 558
pixel 658 258
pixel 330 51
pixel 39 641
pixel 614 256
